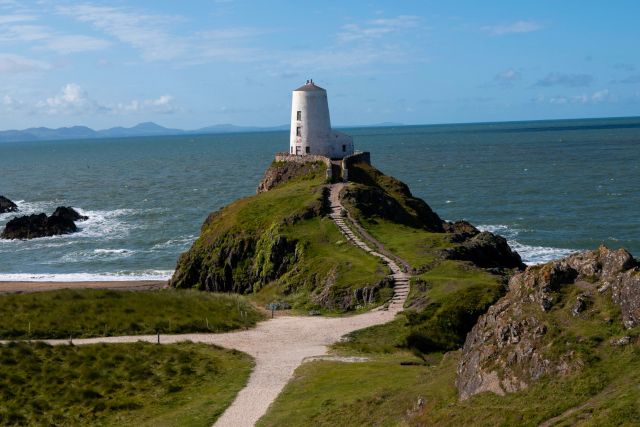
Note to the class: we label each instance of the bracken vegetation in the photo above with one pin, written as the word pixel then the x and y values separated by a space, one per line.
pixel 118 384
pixel 84 313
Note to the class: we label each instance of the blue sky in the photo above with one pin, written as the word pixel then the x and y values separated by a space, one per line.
pixel 190 64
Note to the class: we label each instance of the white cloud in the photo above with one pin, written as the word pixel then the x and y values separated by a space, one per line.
pixel 507 77
pixel 10 19
pixel 66 44
pixel 376 29
pixel 10 63
pixel 45 38
pixel 358 45
pixel 145 32
pixel 567 80
pixel 597 97
pixel 73 99
pixel 517 27
pixel 163 104
pixel 10 103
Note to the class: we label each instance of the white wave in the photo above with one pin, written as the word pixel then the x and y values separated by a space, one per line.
pixel 182 242
pixel 94 255
pixel 87 277
pixel 530 255
pixel 105 224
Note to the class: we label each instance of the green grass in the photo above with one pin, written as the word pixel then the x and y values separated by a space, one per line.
pixel 420 248
pixel 603 390
pixel 446 278
pixel 118 384
pixel 88 313
pixel 443 305
pixel 382 392
pixel 324 393
pixel 280 246
pixel 329 267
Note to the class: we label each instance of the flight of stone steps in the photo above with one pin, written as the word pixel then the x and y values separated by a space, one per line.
pixel 400 278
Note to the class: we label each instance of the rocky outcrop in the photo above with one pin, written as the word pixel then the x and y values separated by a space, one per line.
pixel 41 225
pixel 486 250
pixel 374 201
pixel 239 263
pixel 7 205
pixel 281 172
pixel 508 348
pixel 37 225
pixel 68 213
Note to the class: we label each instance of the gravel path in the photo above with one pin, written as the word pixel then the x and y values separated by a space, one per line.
pixel 280 345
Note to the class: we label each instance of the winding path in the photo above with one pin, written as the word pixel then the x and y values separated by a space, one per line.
pixel 281 344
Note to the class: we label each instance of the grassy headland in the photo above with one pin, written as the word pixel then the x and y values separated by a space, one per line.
pixel 89 313
pixel 118 384
pixel 280 246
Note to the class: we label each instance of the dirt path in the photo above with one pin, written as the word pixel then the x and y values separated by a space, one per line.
pixel 280 345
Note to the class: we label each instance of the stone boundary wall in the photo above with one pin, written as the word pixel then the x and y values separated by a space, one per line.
pixel 358 156
pixel 307 158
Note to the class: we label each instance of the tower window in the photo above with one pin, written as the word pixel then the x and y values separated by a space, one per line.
pixel 308 149
pixel 298 131
pixel 299 115
pixel 344 148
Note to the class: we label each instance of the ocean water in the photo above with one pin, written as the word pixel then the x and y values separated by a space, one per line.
pixel 550 188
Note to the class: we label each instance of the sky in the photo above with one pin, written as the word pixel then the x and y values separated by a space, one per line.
pixel 191 64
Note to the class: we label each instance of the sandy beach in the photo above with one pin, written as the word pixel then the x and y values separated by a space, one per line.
pixel 130 285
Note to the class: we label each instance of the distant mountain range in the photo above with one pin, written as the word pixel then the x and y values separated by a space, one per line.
pixel 142 129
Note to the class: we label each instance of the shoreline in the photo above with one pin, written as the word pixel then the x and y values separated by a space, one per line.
pixel 18 287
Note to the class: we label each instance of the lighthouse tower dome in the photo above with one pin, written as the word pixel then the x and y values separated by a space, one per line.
pixel 311 131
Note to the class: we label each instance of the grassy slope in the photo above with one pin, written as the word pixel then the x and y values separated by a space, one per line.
pixel 118 384
pixel 383 392
pixel 445 298
pixel 87 313
pixel 324 256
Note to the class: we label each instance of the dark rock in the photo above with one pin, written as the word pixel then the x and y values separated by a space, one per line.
pixel 7 205
pixel 37 225
pixel 506 349
pixel 486 250
pixel 67 212
pixel 373 201
pixel 461 230
pixel 579 306
pixel 619 342
pixel 282 172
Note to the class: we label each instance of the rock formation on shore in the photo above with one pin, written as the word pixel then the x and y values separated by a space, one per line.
pixel 541 326
pixel 41 225
pixel 7 205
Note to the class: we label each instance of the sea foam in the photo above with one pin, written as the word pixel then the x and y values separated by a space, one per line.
pixel 87 277
pixel 530 254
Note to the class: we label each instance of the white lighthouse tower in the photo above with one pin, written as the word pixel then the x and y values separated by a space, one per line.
pixel 311 131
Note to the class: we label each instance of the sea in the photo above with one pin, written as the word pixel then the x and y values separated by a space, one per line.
pixel 549 187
